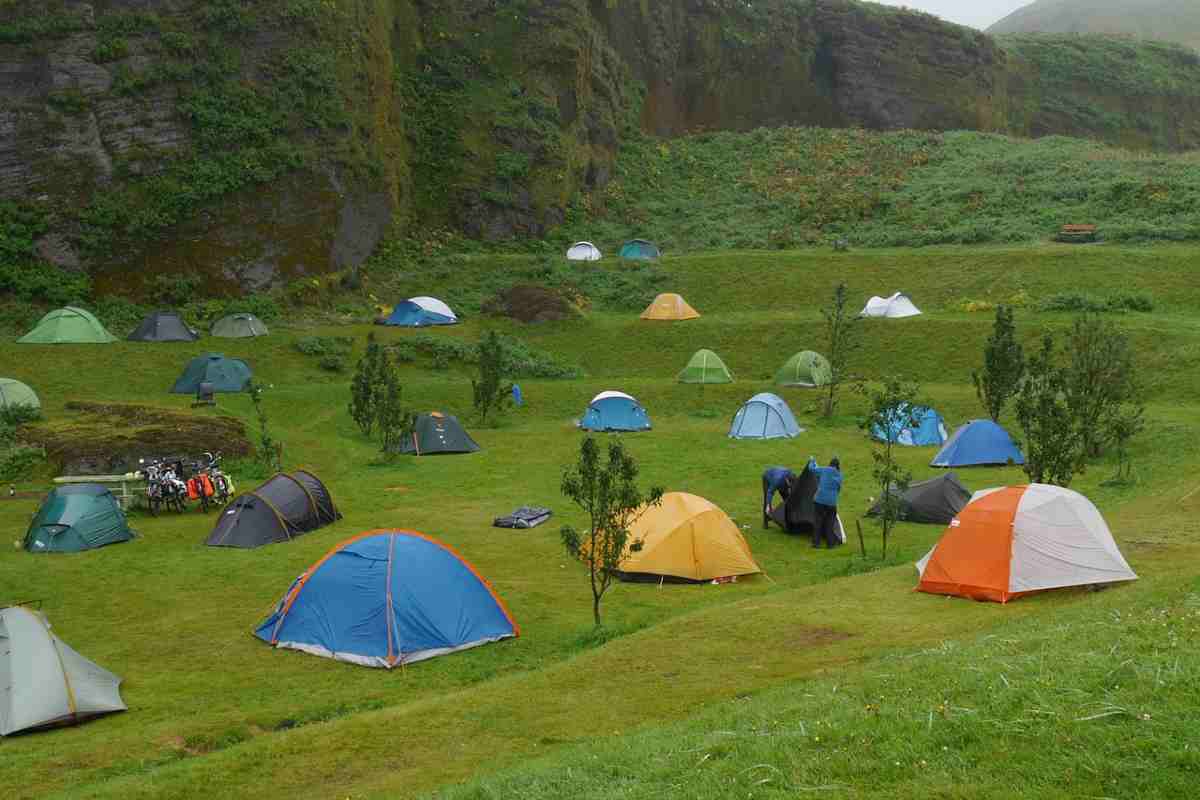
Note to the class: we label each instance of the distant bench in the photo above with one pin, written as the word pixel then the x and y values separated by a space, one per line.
pixel 127 488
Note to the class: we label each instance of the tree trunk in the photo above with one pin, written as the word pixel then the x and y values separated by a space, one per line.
pixel 596 608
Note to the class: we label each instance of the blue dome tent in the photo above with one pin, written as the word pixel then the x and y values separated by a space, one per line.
pixel 639 250
pixel 929 430
pixel 614 411
pixel 387 598
pixel 764 416
pixel 419 312
pixel 979 442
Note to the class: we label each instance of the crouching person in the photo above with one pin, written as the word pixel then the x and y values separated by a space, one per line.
pixel 829 486
pixel 774 479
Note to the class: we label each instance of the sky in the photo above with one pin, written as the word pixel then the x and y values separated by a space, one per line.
pixel 976 13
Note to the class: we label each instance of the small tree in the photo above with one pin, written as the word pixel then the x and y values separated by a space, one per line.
pixel 609 495
pixel 270 451
pixel 891 407
pixel 364 389
pixel 393 418
pixel 1053 447
pixel 1003 365
pixel 1100 380
pixel 1126 422
pixel 842 338
pixel 492 394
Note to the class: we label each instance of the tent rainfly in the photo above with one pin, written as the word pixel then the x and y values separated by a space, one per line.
pixel 280 510
pixel 225 374
pixel 639 250
pixel 239 326
pixel 977 443
pixel 764 416
pixel 437 433
pixel 1013 541
pixel 583 251
pixel 614 411
pixel 934 501
pixel 807 369
pixel 45 682
pixel 388 598
pixel 705 366
pixel 14 393
pixel 421 312
pixel 163 326
pixel 799 514
pixel 929 428
pixel 68 325
pixel 686 538
pixel 895 307
pixel 669 308
pixel 75 517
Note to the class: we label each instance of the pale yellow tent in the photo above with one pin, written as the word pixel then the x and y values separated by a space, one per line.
pixel 688 537
pixel 669 307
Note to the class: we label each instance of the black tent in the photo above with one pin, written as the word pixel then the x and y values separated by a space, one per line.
pixel 435 433
pixel 799 514
pixel 281 509
pixel 937 500
pixel 163 326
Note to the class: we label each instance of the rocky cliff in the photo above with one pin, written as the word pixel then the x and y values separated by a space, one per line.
pixel 252 141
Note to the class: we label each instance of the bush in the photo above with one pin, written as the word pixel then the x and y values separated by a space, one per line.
pixel 333 363
pixel 42 283
pixel 19 461
pixel 521 360
pixel 324 345
pixel 12 417
pixel 1081 302
pixel 117 313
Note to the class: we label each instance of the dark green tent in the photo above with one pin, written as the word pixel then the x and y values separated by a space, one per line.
pixel 239 326
pixel 436 433
pixel 75 517
pixel 639 250
pixel 225 374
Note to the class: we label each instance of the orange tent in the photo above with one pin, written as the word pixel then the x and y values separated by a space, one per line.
pixel 1014 541
pixel 669 307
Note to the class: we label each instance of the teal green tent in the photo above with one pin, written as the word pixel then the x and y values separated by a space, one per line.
pixel 639 250
pixel 225 374
pixel 68 326
pixel 80 516
pixel 15 393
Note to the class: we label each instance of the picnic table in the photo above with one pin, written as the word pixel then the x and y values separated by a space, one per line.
pixel 126 488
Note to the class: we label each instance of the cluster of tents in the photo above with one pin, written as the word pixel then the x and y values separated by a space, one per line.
pixel 71 325
pixel 805 369
pixel 633 250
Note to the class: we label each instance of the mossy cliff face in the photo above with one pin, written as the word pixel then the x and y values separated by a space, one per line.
pixel 258 140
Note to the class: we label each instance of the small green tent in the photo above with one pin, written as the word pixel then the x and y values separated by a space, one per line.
pixel 15 393
pixel 239 326
pixel 68 325
pixel 80 516
pixel 639 250
pixel 705 367
pixel 225 374
pixel 437 433
pixel 806 368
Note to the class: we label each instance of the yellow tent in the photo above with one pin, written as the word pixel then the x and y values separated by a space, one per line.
pixel 669 307
pixel 688 537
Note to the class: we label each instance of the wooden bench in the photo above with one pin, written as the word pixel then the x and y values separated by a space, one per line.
pixel 127 488
pixel 1077 233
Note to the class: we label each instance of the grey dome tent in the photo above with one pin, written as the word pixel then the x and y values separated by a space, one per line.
pixel 45 682
pixel 225 374
pixel 799 514
pixel 437 433
pixel 75 517
pixel 15 393
pixel 239 326
pixel 163 326
pixel 934 501
pixel 280 510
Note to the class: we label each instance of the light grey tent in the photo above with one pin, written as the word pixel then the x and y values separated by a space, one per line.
pixel 239 326
pixel 43 682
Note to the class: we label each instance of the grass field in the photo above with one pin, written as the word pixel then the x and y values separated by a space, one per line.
pixel 690 691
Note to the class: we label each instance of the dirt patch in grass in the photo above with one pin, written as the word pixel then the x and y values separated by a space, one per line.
pixel 100 439
pixel 808 636
pixel 530 304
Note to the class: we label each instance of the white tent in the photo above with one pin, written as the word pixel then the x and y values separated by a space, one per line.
pixel 1012 541
pixel 894 307
pixel 584 251
pixel 43 682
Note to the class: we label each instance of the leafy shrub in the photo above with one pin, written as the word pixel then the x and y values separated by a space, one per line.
pixel 333 363
pixel 262 306
pixel 16 415
pixel 324 345
pixel 1082 302
pixel 19 461
pixel 521 360
pixel 111 50
pixel 43 283
pixel 176 289
pixel 117 313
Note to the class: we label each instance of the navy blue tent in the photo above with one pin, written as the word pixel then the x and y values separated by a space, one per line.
pixel 386 598
pixel 419 312
pixel 929 430
pixel 764 416
pixel 977 443
pixel 614 411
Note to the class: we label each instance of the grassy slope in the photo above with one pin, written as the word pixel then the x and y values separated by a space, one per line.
pixel 1171 20
pixel 213 711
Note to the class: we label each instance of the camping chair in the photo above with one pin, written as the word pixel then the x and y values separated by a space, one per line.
pixel 205 395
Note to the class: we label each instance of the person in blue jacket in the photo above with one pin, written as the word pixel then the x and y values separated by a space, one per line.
pixel 825 500
pixel 775 479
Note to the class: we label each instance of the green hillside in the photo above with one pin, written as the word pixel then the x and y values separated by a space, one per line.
pixel 1168 20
